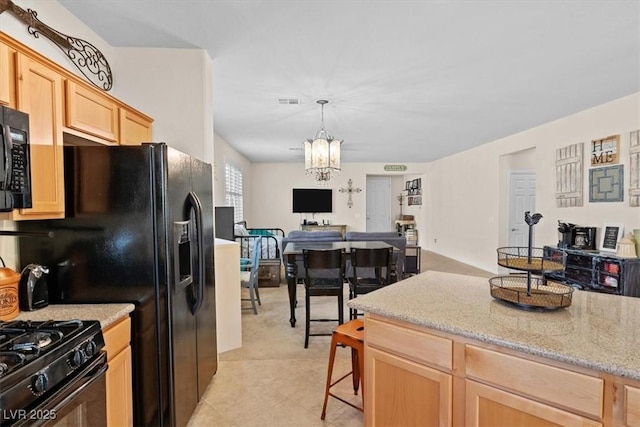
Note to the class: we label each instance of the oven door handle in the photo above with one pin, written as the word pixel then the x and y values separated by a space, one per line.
pixel 55 404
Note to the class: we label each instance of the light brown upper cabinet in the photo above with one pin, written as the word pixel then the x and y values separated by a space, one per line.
pixel 7 76
pixel 60 106
pixel 134 128
pixel 90 112
pixel 40 95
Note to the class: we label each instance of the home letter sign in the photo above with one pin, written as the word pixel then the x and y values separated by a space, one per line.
pixel 605 151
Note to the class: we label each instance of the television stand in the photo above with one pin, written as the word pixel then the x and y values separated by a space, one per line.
pixel 325 227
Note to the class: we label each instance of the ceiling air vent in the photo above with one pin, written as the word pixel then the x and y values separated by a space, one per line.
pixel 288 101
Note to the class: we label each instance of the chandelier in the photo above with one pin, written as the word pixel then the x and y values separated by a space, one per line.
pixel 322 153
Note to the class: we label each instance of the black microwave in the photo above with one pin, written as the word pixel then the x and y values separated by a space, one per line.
pixel 15 165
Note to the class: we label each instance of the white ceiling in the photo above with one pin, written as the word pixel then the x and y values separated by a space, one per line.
pixel 407 81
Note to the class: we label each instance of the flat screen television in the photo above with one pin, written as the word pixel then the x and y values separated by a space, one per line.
pixel 312 200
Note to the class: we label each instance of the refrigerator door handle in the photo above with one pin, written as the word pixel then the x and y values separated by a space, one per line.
pixel 196 205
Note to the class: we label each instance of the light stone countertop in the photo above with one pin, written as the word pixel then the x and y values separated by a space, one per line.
pixel 598 331
pixel 105 313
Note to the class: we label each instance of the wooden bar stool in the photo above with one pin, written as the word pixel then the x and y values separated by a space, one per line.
pixel 350 334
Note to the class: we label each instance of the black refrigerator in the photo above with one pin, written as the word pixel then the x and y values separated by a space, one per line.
pixel 138 228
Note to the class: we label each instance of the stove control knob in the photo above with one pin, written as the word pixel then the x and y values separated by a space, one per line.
pixel 90 348
pixel 39 383
pixel 77 358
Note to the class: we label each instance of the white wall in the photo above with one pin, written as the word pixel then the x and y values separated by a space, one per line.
pixel 272 185
pixel 465 194
pixel 174 87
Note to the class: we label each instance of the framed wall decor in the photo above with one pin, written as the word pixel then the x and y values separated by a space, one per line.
pixel 605 151
pixel 610 235
pixel 569 176
pixel 606 184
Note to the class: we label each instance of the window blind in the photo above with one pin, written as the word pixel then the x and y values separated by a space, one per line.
pixel 233 190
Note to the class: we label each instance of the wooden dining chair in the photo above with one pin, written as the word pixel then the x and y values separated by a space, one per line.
pixel 371 270
pixel 324 276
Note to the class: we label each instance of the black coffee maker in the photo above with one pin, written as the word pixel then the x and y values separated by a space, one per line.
pixel 566 233
pixel 584 238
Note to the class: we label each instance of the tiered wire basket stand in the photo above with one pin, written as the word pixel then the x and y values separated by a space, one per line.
pixel 526 290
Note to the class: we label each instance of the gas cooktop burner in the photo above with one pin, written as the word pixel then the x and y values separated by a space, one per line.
pixel 36 340
pixel 23 341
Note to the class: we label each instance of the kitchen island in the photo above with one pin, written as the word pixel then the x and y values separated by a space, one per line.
pixel 441 351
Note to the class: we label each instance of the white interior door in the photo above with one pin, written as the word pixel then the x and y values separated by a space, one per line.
pixel 522 198
pixel 379 204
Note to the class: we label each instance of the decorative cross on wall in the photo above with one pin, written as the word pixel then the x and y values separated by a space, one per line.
pixel 350 190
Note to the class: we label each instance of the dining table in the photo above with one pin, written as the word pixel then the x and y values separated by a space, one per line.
pixel 292 254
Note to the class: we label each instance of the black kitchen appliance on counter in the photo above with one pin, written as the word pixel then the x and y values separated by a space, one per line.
pixel 584 238
pixel 139 229
pixel 52 371
pixel 572 236
pixel 565 233
pixel 33 293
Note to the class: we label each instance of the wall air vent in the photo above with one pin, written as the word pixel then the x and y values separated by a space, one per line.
pixel 288 101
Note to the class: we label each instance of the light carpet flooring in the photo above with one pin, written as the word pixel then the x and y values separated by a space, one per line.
pixel 272 380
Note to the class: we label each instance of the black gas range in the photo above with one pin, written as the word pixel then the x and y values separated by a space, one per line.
pixel 45 369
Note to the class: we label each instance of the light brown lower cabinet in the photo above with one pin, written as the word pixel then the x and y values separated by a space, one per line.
pixel 492 407
pixel 405 393
pixel 415 376
pixel 117 339
pixel 631 406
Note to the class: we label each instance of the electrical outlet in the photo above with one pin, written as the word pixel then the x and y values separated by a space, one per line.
pixel 435 240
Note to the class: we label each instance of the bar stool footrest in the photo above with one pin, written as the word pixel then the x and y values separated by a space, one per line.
pixel 359 408
pixel 340 379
